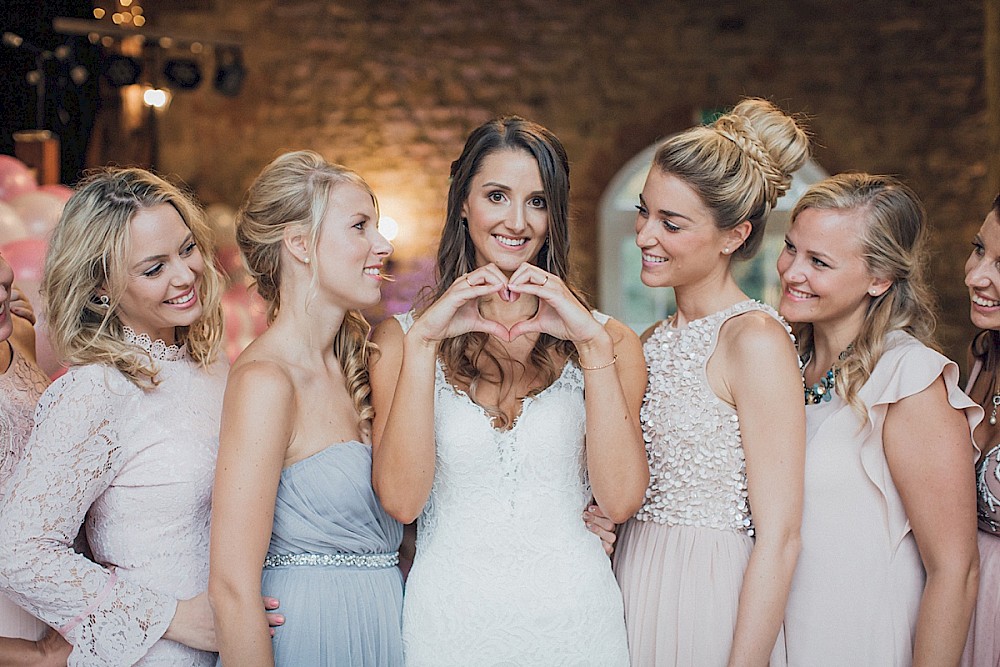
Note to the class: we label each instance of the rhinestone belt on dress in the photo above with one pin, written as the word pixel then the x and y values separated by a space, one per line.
pixel 352 560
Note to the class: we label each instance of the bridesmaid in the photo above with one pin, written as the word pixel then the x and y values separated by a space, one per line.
pixel 24 640
pixel 982 276
pixel 293 486
pixel 126 439
pixel 887 573
pixel 704 580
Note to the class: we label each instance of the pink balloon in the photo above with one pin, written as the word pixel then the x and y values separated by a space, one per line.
pixel 15 178
pixel 11 226
pixel 44 354
pixel 27 258
pixel 61 191
pixel 39 212
pixel 245 318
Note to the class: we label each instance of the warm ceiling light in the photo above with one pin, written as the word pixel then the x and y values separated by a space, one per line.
pixel 158 98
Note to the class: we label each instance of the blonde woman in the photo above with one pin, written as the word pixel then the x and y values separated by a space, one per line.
pixel 293 488
pixel 705 564
pixel 505 403
pixel 888 569
pixel 126 439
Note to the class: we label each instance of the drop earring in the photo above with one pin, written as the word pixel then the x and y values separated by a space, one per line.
pixel 103 300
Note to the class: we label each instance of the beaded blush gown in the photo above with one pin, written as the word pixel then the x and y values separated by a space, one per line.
pixel 983 646
pixel 20 388
pixel 505 571
pixel 138 466
pixel 680 560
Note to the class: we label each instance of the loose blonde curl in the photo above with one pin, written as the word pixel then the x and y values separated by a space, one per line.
pixel 89 250
pixel 894 246
pixel 294 190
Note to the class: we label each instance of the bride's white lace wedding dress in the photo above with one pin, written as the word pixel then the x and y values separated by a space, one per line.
pixel 505 572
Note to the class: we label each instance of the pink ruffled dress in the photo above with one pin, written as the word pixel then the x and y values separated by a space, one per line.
pixel 856 591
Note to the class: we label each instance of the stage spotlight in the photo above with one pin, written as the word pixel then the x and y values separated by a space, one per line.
pixel 121 70
pixel 183 73
pixel 230 72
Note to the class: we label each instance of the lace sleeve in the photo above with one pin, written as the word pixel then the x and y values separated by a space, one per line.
pixel 72 457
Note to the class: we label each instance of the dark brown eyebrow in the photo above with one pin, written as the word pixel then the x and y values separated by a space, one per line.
pixel 501 186
pixel 665 213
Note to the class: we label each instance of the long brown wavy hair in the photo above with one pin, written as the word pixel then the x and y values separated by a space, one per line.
pixel 89 250
pixel 457 255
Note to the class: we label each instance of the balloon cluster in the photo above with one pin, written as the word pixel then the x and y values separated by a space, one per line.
pixel 28 214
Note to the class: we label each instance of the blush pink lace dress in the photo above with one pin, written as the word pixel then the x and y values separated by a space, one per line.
pixel 139 466
pixel 20 388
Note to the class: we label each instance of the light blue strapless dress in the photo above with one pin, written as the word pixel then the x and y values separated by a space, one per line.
pixel 332 563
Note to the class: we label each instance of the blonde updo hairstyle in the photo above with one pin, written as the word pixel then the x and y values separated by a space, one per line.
pixel 894 246
pixel 295 190
pixel 739 165
pixel 89 251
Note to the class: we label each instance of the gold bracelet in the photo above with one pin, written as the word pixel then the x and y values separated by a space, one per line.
pixel 597 368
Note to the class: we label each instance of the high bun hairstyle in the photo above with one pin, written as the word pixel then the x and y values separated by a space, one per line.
pixel 894 246
pixel 739 165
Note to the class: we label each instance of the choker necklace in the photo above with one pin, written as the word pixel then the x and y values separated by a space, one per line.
pixel 824 389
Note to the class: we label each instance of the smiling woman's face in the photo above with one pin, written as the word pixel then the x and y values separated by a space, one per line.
pixel 163 274
pixel 506 210
pixel 982 275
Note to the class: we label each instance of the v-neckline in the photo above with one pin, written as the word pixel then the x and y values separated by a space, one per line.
pixel 525 402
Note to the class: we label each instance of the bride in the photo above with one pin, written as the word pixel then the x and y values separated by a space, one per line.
pixel 502 408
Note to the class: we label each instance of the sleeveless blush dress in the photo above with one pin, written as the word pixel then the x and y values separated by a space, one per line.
pixel 680 560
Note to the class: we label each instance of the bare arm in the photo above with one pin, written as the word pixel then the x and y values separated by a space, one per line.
pixel 616 456
pixel 928 449
pixel 402 380
pixel 49 651
pixel 403 431
pixel 257 426
pixel 764 381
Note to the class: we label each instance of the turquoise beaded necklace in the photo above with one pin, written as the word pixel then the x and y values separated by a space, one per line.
pixel 824 389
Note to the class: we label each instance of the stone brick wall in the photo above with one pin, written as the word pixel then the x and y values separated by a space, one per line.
pixel 391 88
